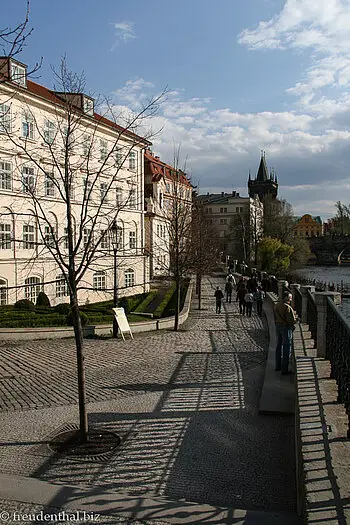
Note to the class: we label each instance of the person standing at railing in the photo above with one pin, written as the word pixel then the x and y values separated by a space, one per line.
pixel 285 320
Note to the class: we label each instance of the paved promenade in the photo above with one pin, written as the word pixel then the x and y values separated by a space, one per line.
pixel 186 405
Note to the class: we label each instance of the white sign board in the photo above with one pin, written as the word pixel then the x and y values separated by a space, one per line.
pixel 122 321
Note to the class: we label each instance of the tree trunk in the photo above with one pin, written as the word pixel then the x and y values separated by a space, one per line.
pixel 78 333
pixel 199 292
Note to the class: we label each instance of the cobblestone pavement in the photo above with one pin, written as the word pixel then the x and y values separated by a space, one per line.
pixel 185 404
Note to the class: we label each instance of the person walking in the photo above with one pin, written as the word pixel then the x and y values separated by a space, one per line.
pixel 260 296
pixel 218 297
pixel 231 279
pixel 248 299
pixel 228 291
pixel 285 320
pixel 240 297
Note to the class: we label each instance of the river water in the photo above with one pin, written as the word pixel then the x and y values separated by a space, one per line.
pixel 329 274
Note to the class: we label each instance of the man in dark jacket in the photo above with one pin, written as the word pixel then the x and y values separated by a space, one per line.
pixel 285 320
pixel 219 297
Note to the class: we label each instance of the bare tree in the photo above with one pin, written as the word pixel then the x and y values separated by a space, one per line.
pixel 79 157
pixel 205 250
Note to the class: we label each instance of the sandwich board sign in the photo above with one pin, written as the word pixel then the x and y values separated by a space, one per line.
pixel 122 322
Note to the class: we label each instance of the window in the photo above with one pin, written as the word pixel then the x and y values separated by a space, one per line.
pixel 5 118
pixel 132 198
pixel 103 191
pixel 88 105
pixel 5 236
pixel 104 244
pixel 86 145
pixel 222 233
pixel 167 188
pixel 120 238
pixel 28 180
pixel 61 286
pixel 66 245
pixel 129 277
pixel 27 125
pixel 132 160
pixel 239 209
pixel 160 199
pixel 86 235
pixel 223 210
pixel 132 240
pixel 49 236
pixel 32 288
pixel 18 74
pixel 87 188
pixel 103 149
pixel 118 196
pixel 119 156
pixel 28 236
pixel 209 210
pixel 49 185
pixel 223 221
pixel 3 292
pixel 99 281
pixel 49 131
pixel 5 176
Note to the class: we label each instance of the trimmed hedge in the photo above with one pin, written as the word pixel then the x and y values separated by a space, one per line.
pixel 24 304
pixel 158 312
pixel 43 300
pixel 141 307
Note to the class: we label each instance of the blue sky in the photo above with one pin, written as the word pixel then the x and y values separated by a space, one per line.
pixel 243 76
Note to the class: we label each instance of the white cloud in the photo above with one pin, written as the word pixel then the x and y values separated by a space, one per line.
pixel 321 26
pixel 309 148
pixel 124 31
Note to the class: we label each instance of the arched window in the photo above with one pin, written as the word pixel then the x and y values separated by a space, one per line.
pixel 3 292
pixel 129 277
pixel 99 281
pixel 61 286
pixel 32 288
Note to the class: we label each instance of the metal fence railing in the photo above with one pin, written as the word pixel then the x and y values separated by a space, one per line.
pixel 338 353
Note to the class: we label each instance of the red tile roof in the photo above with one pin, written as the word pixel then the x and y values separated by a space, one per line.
pixel 160 169
pixel 45 93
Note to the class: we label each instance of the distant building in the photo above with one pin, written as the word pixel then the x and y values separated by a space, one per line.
pixel 308 226
pixel 264 184
pixel 238 221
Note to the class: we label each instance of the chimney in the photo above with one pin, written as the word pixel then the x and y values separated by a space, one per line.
pixel 237 194
pixel 233 193
pixel 157 158
pixel 222 193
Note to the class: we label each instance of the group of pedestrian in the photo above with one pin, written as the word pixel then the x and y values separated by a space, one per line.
pixel 285 317
pixel 246 293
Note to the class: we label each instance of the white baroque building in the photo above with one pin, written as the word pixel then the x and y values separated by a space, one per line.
pixel 53 144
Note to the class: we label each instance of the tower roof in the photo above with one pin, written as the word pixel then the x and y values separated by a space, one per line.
pixel 263 174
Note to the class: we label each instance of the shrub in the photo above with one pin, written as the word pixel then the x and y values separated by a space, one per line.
pixel 43 300
pixel 62 308
pixel 83 317
pixel 24 304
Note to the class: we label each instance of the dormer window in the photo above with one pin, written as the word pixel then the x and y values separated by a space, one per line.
pixel 18 73
pixel 88 105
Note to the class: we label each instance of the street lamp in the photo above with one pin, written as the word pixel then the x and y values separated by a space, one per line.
pixel 114 240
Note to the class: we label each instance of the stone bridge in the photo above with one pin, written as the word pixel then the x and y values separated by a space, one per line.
pixel 327 249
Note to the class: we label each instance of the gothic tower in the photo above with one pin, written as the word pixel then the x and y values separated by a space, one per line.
pixel 264 184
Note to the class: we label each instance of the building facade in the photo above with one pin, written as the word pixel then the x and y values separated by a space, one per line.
pixel 167 190
pixel 67 174
pixel 308 226
pixel 238 222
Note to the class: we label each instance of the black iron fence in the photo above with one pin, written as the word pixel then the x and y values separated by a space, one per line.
pixel 338 353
